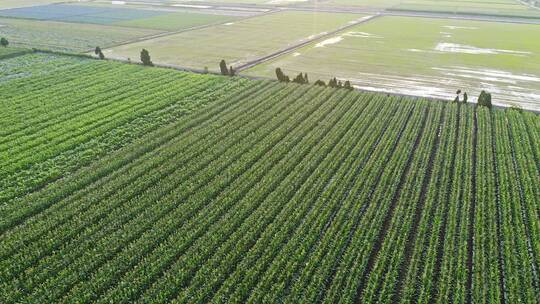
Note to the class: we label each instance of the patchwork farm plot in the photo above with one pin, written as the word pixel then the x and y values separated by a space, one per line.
pixel 5 4
pixel 482 7
pixel 426 57
pixel 236 42
pixel 266 192
pixel 79 28
pixel 119 16
pixel 79 13
pixel 61 36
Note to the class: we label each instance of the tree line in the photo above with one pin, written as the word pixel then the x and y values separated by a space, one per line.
pixel 484 99
pixel 302 78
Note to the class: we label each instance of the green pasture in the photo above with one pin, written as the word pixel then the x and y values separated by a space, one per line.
pixel 500 7
pixel 4 4
pixel 429 57
pixel 66 36
pixel 236 42
pixel 176 21
pixel 487 7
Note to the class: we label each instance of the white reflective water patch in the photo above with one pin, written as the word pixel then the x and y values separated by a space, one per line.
pixel 523 94
pixel 362 35
pixel 454 27
pixel 191 6
pixel 329 41
pixel 447 47
pixel 496 75
pixel 284 1
pixel 118 2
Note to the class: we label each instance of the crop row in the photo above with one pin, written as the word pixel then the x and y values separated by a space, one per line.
pixel 229 190
pixel 96 111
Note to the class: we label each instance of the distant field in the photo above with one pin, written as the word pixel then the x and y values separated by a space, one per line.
pixel 80 13
pixel 117 15
pixel 176 21
pixel 498 7
pixel 427 57
pixel 24 3
pixel 66 36
pixel 495 7
pixel 149 185
pixel 236 42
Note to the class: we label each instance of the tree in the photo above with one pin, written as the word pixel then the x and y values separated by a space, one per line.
pixel 231 71
pixel 465 97
pixel 98 52
pixel 300 79
pixel 145 58
pixel 333 83
pixel 484 99
pixel 306 78
pixel 348 85
pixel 4 42
pixel 281 76
pixel 223 68
pixel 457 96
pixel 320 83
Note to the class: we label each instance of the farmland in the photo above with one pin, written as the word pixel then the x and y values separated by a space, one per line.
pixel 61 36
pixel 79 28
pixel 481 7
pixel 95 107
pixel 236 42
pixel 223 189
pixel 427 57
pixel 18 3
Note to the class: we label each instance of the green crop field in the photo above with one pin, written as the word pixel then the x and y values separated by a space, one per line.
pixel 484 7
pixel 5 4
pixel 426 57
pixel 176 21
pixel 166 186
pixel 236 42
pixel 63 36
pixel 74 110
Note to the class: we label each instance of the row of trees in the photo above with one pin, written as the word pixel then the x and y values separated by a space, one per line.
pixel 465 97
pixel 483 100
pixel 302 78
pixel 224 71
pixel 99 53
